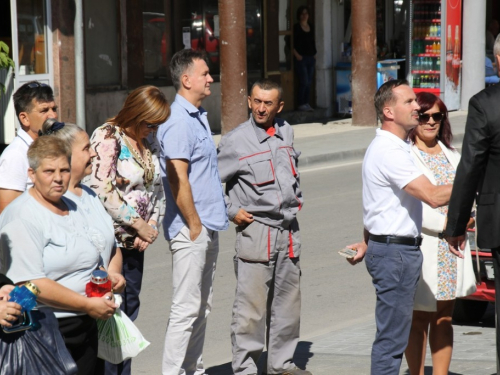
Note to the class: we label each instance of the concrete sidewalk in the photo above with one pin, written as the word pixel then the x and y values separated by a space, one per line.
pixel 340 142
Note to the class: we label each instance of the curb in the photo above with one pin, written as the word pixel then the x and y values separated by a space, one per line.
pixel 353 155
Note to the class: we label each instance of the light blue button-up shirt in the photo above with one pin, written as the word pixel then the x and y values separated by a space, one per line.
pixel 186 135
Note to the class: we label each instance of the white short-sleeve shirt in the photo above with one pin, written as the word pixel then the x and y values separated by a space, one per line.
pixel 387 168
pixel 36 243
pixel 14 163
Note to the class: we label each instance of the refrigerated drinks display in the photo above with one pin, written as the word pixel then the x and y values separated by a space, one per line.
pixel 425 46
pixel 435 45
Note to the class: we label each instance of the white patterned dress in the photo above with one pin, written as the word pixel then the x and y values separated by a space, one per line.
pixel 444 173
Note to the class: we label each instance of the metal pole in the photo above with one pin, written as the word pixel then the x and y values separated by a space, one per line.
pixel 473 64
pixel 79 66
pixel 364 62
pixel 233 66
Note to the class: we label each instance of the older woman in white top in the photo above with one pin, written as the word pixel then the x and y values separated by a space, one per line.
pixel 86 200
pixel 45 238
pixel 444 277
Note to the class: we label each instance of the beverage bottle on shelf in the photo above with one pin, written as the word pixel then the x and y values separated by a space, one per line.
pixel 456 58
pixel 438 64
pixel 438 84
pixel 449 54
pixel 439 31
pixel 438 47
pixel 418 81
pixel 434 47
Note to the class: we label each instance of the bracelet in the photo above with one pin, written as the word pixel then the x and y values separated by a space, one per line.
pixel 154 227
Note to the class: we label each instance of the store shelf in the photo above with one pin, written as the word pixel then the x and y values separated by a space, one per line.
pixel 433 72
pixel 434 91
pixel 434 20
pixel 426 54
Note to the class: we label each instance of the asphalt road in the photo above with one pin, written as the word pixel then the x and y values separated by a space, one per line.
pixel 335 295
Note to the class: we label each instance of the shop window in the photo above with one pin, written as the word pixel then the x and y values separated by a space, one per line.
pixel 155 42
pixel 31 34
pixel 253 18
pixel 200 29
pixel 102 43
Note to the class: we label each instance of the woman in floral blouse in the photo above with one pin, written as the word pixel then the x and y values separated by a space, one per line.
pixel 126 177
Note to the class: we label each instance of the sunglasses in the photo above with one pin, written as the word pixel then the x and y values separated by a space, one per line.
pixel 152 126
pixel 34 85
pixel 423 118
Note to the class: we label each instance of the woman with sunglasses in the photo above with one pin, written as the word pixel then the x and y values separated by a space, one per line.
pixel 126 177
pixel 444 277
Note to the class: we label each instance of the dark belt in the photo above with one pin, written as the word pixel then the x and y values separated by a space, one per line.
pixel 409 241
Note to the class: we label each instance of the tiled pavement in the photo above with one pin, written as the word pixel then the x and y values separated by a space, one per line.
pixel 347 351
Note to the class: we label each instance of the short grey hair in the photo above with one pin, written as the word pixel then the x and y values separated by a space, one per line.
pixel 47 148
pixel 67 133
pixel 496 46
pixel 181 62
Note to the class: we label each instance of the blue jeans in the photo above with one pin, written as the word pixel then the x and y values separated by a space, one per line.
pixel 395 270
pixel 305 73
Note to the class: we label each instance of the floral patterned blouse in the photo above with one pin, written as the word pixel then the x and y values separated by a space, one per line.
pixel 128 185
pixel 444 173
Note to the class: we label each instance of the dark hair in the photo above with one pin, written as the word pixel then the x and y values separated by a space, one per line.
pixel 426 101
pixel 146 104
pixel 182 61
pixel 267 84
pixel 23 97
pixel 385 96
pixel 300 10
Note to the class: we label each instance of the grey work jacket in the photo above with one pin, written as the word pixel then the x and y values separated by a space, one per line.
pixel 261 173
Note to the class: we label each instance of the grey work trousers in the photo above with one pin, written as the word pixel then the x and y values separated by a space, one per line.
pixel 267 293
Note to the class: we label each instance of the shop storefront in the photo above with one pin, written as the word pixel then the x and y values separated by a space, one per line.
pixel 26 29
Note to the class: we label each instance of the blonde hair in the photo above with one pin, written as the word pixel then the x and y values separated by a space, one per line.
pixel 145 104
pixel 47 148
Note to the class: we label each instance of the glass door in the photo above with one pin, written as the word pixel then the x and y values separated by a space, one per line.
pixel 285 23
pixel 31 41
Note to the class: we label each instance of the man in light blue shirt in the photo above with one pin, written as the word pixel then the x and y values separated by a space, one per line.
pixel 195 212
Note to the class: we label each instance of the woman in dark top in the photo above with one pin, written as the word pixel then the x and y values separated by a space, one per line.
pixel 305 57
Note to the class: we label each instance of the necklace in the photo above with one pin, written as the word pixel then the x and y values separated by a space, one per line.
pixel 146 161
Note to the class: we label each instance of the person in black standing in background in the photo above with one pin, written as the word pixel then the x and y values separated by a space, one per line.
pixel 304 52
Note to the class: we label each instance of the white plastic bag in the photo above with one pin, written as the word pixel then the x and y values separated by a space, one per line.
pixel 119 338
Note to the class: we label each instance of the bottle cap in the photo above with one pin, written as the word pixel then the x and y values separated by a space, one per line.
pixel 32 288
pixel 99 277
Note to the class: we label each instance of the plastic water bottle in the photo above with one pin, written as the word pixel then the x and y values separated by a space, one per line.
pixel 25 296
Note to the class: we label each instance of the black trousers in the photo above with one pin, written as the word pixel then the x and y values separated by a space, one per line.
pixel 80 337
pixel 496 267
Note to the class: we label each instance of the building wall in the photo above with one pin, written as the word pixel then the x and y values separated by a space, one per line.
pixel 63 64
pixel 102 105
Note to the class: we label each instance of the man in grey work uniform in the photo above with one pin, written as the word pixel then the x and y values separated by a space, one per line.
pixel 259 165
pixel 393 191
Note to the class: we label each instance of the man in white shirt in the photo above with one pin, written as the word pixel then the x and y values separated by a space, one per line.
pixel 393 189
pixel 34 103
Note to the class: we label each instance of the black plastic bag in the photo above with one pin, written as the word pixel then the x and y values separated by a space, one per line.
pixel 40 350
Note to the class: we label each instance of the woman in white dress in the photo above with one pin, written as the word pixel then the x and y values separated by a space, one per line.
pixel 444 277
